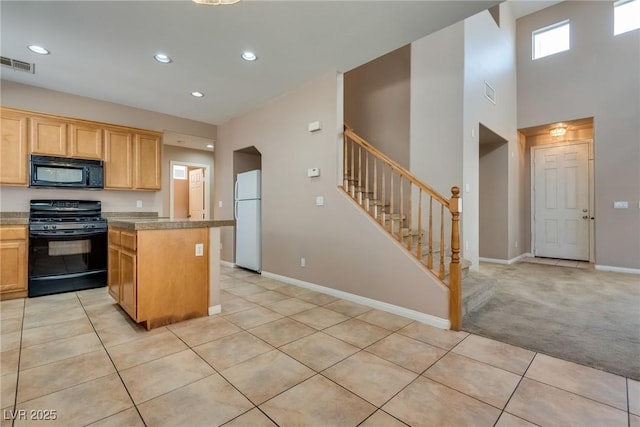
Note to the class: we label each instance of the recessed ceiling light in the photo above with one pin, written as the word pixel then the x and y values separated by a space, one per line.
pixel 215 2
pixel 197 94
pixel 38 49
pixel 209 145
pixel 161 57
pixel 249 56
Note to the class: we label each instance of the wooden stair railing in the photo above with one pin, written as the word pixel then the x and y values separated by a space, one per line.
pixel 404 207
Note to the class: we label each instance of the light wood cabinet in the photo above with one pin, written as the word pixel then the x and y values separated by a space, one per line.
pixel 14 148
pixel 133 160
pixel 118 165
pixel 133 157
pixel 13 261
pixel 147 162
pixel 51 136
pixel 155 276
pixel 48 136
pixel 122 270
pixel 85 141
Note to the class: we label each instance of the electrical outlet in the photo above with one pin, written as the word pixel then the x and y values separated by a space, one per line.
pixel 219 203
pixel 138 203
pixel 199 249
pixel 303 262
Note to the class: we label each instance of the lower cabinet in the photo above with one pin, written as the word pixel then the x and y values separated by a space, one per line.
pixel 157 277
pixel 13 260
pixel 122 269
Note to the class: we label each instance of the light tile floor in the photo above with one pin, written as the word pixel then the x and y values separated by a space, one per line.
pixel 283 355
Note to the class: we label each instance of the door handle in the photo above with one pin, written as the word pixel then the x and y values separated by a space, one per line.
pixel 585 216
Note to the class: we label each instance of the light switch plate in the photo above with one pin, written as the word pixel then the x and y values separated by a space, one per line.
pixel 319 200
pixel 199 249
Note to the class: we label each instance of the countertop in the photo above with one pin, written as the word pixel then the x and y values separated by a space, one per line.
pixel 166 223
pixel 14 218
pixel 131 221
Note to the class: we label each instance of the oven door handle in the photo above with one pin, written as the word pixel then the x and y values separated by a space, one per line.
pixel 73 233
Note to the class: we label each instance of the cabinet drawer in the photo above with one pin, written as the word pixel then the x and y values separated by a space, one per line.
pixel 13 233
pixel 128 241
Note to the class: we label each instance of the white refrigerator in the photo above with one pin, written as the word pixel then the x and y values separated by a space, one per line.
pixel 248 220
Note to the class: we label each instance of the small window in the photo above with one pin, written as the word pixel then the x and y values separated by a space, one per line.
pixel 552 39
pixel 179 172
pixel 626 16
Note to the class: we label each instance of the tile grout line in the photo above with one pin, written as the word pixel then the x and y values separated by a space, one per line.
pixel 15 397
pixel 219 373
pixel 514 392
pixel 113 363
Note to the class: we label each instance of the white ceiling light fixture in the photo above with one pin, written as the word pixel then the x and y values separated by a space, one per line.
pixel 163 58
pixel 249 56
pixel 215 2
pixel 197 94
pixel 558 131
pixel 38 49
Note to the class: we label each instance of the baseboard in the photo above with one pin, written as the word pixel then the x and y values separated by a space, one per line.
pixel 504 261
pixel 227 264
pixel 617 269
pixel 427 319
pixel 216 309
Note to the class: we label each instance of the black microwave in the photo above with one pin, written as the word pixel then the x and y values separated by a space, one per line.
pixel 62 172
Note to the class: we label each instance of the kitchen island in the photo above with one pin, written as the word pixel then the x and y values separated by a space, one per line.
pixel 162 270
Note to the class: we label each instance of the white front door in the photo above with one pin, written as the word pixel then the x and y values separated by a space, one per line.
pixel 561 202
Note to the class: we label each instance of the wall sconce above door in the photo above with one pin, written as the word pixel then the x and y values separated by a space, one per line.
pixel 558 131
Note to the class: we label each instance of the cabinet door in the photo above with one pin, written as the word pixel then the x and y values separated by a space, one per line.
pixel 13 263
pixel 118 159
pixel 48 136
pixel 148 162
pixel 113 279
pixel 128 288
pixel 13 150
pixel 85 141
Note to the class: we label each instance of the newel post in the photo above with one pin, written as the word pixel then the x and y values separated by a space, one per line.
pixel 455 271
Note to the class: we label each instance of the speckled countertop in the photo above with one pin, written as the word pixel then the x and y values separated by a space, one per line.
pixel 130 220
pixel 166 223
pixel 14 218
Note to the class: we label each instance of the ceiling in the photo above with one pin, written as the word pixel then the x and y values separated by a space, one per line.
pixel 104 49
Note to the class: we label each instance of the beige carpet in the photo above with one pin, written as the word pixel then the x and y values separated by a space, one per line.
pixel 581 315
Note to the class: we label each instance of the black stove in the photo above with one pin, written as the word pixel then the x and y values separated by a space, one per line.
pixel 67 246
pixel 65 217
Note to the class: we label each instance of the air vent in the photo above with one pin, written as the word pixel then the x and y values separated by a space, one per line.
pixel 18 65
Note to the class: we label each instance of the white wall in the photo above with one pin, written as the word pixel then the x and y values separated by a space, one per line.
pixel 490 57
pixel 448 72
pixel 597 77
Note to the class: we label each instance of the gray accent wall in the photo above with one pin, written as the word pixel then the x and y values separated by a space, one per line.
pixel 598 77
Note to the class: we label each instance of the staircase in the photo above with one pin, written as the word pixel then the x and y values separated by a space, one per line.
pixel 425 222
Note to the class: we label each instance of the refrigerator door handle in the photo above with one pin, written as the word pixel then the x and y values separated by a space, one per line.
pixel 235 191
pixel 235 211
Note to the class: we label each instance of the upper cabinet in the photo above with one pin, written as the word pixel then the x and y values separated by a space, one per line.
pixel 133 160
pixel 48 136
pixel 14 148
pixel 118 162
pixel 147 157
pixel 133 157
pixel 85 141
pixel 51 136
